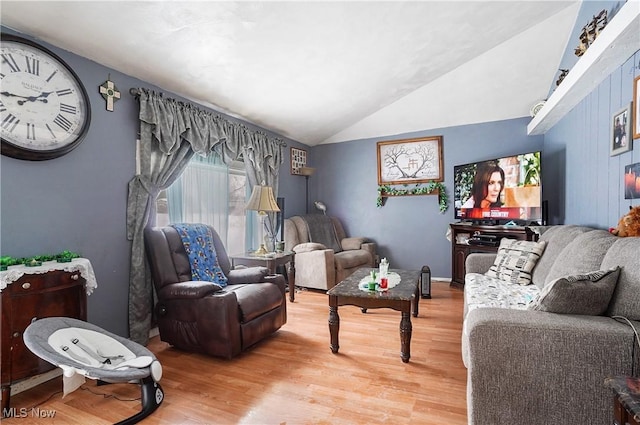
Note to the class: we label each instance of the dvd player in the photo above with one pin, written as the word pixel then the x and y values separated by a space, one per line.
pixel 482 236
pixel 484 242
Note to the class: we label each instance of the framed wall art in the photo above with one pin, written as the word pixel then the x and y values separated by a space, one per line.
pixel 632 181
pixel 636 107
pixel 298 160
pixel 621 139
pixel 410 161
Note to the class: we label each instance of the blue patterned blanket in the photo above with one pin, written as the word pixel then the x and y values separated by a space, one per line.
pixel 198 242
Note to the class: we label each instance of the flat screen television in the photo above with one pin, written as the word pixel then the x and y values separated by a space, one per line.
pixel 500 190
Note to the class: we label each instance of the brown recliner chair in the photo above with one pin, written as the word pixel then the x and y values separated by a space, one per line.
pixel 203 317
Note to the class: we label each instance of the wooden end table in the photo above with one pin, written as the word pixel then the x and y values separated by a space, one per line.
pixel 403 297
pixel 626 401
pixel 271 262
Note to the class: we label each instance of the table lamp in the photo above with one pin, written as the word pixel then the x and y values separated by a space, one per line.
pixel 262 200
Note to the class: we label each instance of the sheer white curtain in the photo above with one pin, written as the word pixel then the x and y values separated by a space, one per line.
pixel 201 195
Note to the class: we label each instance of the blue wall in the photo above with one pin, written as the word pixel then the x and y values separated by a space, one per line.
pixel 410 230
pixel 590 182
pixel 582 183
pixel 587 182
pixel 78 201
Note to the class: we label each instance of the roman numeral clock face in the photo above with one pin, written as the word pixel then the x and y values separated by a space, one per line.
pixel 44 108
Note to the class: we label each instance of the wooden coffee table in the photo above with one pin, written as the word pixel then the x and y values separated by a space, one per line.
pixel 402 298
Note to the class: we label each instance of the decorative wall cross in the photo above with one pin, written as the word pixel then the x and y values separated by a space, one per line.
pixel 110 92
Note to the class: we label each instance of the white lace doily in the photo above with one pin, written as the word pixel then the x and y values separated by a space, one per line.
pixel 82 265
pixel 393 279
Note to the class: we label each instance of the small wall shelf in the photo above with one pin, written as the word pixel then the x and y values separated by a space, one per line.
pixel 616 43
pixel 389 195
pixel 382 196
pixel 433 188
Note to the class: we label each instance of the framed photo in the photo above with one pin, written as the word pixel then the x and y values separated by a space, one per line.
pixel 632 181
pixel 298 160
pixel 410 161
pixel 636 107
pixel 621 139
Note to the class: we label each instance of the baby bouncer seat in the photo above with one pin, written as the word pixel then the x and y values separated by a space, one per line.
pixel 82 349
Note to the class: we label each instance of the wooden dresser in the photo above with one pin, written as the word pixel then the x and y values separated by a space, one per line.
pixel 460 248
pixel 27 294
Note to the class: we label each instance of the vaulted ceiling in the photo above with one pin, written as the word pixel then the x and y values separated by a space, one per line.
pixel 319 71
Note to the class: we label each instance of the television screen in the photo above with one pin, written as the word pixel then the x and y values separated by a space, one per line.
pixel 503 189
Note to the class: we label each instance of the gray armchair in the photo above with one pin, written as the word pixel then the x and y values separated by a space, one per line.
pixel 324 255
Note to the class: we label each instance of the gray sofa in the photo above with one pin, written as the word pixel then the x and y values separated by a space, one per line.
pixel 540 368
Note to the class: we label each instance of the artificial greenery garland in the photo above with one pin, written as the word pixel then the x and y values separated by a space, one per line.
pixel 7 260
pixel 443 199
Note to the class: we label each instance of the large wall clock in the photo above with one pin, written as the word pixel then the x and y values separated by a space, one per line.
pixel 44 108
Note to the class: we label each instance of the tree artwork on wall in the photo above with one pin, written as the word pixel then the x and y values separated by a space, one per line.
pixel 410 161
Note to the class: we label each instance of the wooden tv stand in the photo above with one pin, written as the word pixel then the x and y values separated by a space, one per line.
pixel 461 232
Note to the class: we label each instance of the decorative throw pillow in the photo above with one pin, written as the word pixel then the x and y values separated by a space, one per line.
pixel 587 294
pixel 515 260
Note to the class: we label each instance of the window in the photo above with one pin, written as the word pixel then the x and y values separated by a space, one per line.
pixel 213 193
pixel 237 225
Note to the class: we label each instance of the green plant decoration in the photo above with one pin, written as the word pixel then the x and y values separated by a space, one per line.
pixel 463 181
pixel 6 261
pixel 531 166
pixel 443 199
pixel 64 256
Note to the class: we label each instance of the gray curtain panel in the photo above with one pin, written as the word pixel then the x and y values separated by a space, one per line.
pixel 262 162
pixel 171 132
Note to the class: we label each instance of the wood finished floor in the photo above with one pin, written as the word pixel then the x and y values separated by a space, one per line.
pixel 293 378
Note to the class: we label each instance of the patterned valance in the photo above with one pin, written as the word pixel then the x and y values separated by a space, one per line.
pixel 173 121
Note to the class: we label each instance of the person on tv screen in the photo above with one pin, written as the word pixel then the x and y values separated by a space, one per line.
pixel 487 187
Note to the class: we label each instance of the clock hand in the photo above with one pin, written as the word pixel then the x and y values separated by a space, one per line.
pixel 44 94
pixel 41 97
pixel 31 99
pixel 6 93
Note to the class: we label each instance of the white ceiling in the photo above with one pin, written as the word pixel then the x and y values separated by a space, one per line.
pixel 318 71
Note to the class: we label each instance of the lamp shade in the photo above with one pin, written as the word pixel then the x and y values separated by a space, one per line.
pixel 262 200
pixel 307 171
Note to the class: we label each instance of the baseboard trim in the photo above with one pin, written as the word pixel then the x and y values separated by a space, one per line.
pixel 153 332
pixel 34 381
pixel 442 279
